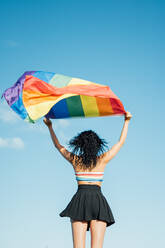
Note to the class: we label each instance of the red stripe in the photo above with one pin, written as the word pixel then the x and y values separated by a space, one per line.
pixel 89 174
pixel 117 106
pixel 37 85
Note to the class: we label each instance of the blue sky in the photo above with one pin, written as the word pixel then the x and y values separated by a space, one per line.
pixel 118 43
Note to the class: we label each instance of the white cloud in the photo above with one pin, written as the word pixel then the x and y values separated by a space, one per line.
pixel 3 142
pixel 16 142
pixel 7 114
pixel 37 127
pixel 63 122
pixel 62 137
pixel 40 126
pixel 11 43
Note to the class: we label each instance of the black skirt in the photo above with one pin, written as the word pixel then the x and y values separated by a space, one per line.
pixel 87 204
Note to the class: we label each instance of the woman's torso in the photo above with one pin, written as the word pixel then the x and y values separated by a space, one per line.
pixel 100 166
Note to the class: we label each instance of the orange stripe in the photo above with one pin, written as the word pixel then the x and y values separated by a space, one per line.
pixel 89 175
pixel 104 106
pixel 31 98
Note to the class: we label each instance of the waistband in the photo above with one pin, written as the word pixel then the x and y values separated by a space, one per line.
pixel 88 186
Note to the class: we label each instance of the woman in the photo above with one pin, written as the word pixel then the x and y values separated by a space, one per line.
pixel 88 207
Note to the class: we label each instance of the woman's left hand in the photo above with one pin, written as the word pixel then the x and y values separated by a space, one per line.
pixel 47 122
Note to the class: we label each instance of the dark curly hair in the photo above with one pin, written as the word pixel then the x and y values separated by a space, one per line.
pixel 87 145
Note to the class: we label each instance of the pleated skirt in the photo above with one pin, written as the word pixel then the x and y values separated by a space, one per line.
pixel 87 204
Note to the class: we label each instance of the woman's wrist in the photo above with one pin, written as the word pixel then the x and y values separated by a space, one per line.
pixel 50 126
pixel 128 116
pixel 127 119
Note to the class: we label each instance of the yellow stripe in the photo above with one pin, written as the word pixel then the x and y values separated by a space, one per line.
pixel 78 81
pixel 89 105
pixel 38 110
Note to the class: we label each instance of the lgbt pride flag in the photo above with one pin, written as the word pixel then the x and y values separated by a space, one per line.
pixel 37 94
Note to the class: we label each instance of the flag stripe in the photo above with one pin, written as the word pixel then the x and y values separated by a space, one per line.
pixel 104 106
pixel 89 106
pixel 60 80
pixel 75 106
pixel 59 110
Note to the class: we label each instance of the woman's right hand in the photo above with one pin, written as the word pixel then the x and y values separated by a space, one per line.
pixel 47 122
pixel 128 116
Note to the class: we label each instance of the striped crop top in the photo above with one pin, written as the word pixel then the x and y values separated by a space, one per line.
pixel 89 176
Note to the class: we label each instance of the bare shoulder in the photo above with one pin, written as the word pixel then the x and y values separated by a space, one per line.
pixel 75 159
pixel 107 156
pixel 101 161
pixel 70 157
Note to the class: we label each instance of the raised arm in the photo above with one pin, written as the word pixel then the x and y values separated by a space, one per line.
pixel 64 152
pixel 115 148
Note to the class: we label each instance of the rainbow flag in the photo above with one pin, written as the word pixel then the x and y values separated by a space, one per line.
pixel 37 94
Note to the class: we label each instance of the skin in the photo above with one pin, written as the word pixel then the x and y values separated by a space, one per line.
pixel 97 227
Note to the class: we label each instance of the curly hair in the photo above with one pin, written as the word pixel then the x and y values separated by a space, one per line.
pixel 87 145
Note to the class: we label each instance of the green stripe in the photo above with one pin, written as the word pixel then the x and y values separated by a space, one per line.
pixel 28 119
pixel 60 80
pixel 74 106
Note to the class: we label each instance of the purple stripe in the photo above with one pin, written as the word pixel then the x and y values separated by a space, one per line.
pixel 12 94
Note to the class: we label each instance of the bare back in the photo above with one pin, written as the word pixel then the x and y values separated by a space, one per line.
pixel 100 166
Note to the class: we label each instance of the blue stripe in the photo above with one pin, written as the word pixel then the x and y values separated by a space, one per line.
pixel 44 76
pixel 19 108
pixel 59 110
pixel 78 179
